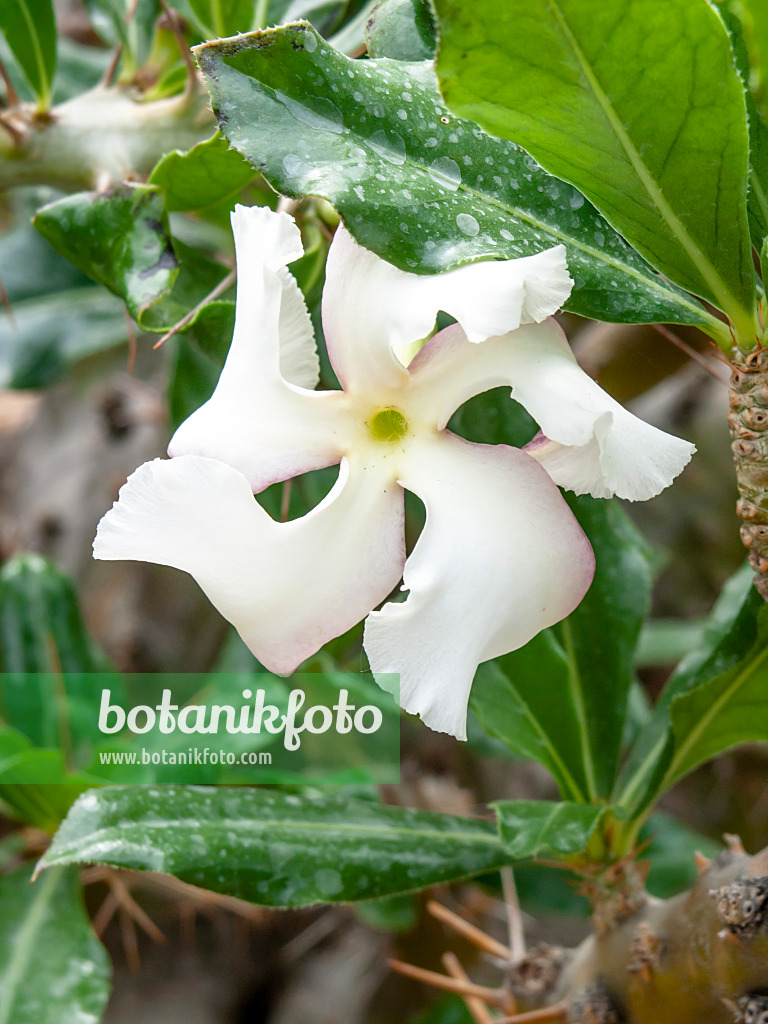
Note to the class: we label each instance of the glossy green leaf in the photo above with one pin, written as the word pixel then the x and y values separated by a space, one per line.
pixel 527 701
pixel 274 848
pixel 531 827
pixel 714 700
pixel 30 31
pixel 561 700
pixel 208 173
pixel 600 636
pixel 402 29
pixel 721 711
pixel 53 969
pixel 122 240
pixel 638 104
pixel 423 189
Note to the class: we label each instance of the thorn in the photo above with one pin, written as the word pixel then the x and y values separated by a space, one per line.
pixel 492 996
pixel 514 916
pixel 477 1008
pixel 10 92
pixel 469 931
pixel 105 913
pixel 688 349
pixel 129 904
pixel 176 26
pixel 109 72
pixel 734 843
pixel 224 285
pixel 130 941
pixel 15 127
pixel 702 863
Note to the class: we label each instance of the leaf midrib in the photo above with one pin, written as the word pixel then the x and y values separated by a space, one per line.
pixel 695 734
pixel 708 273
pixel 38 52
pixel 557 760
pixel 488 839
pixel 577 692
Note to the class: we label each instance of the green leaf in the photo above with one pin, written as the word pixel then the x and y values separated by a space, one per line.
pixel 41 627
pixel 757 204
pixel 638 105
pixel 755 16
pixel 726 668
pixel 197 362
pixel 122 240
pixel 600 636
pixel 57 316
pixel 35 785
pixel 418 186
pixel 530 827
pixel 526 700
pixel 402 29
pixel 53 969
pixel 30 31
pixel 670 850
pixel 49 335
pixel 720 711
pixel 274 848
pixel 51 672
pixel 224 17
pixel 208 173
pixel 131 23
pixel 561 700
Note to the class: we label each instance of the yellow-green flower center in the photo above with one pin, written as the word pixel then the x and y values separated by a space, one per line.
pixel 388 425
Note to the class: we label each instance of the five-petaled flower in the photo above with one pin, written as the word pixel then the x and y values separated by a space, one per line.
pixel 501 556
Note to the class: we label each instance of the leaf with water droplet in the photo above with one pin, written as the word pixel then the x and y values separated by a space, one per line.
pixel 368 157
pixel 274 848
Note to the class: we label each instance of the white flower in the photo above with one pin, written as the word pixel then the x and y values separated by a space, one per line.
pixel 501 556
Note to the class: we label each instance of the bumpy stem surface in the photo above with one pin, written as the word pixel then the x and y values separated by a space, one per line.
pixel 748 421
pixel 700 958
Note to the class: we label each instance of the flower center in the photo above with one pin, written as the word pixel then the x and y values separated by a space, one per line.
pixel 388 425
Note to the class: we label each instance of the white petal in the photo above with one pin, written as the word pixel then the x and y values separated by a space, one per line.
pixel 299 361
pixel 598 447
pixel 286 587
pixel 371 307
pixel 260 419
pixel 501 557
